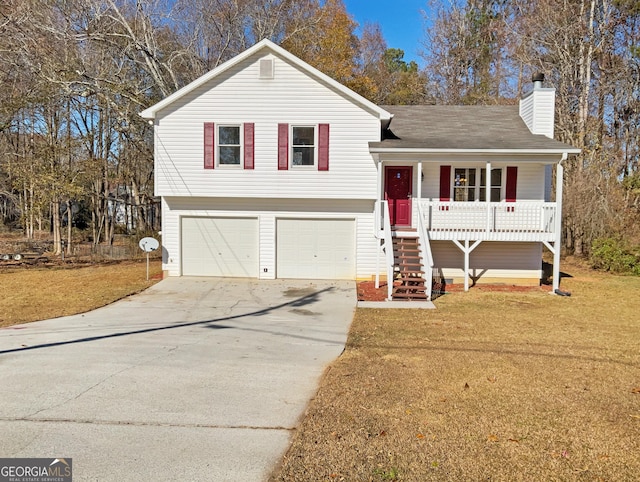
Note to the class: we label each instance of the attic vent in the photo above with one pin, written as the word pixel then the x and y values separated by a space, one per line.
pixel 266 68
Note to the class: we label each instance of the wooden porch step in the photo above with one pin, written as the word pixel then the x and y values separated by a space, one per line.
pixel 409 265
pixel 410 279
pixel 406 255
pixel 411 271
pixel 409 289
pixel 419 286
pixel 414 296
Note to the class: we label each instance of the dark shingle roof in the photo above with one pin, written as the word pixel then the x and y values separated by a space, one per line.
pixel 462 127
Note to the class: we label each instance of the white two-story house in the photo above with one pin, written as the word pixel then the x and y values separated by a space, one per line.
pixel 267 168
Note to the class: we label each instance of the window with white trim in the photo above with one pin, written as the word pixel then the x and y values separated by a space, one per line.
pixel 469 184
pixel 229 145
pixel 496 185
pixel 303 146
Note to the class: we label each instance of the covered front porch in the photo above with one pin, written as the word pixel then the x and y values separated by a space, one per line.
pixel 412 203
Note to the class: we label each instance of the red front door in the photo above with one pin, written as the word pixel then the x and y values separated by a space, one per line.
pixel 397 191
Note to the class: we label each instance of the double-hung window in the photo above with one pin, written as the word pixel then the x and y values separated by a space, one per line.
pixel 469 184
pixel 303 146
pixel 464 184
pixel 496 185
pixel 229 145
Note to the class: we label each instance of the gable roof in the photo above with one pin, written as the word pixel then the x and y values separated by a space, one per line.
pixel 454 128
pixel 267 45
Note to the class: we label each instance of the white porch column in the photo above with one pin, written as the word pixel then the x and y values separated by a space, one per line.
pixel 487 193
pixel 557 244
pixel 379 195
pixel 466 249
pixel 419 190
pixel 466 264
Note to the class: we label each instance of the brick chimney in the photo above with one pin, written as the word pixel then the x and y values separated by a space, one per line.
pixel 537 108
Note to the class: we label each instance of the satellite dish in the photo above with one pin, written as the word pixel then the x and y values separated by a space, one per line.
pixel 148 244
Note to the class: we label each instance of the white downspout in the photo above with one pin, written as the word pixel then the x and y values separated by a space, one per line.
pixel 556 254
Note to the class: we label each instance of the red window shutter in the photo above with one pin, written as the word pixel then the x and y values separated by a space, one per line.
pixel 512 183
pixel 445 183
pixel 209 144
pixel 249 129
pixel 323 147
pixel 283 147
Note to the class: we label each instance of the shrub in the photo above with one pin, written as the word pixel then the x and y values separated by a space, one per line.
pixel 611 254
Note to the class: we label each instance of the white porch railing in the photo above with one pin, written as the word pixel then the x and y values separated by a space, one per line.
pixel 388 247
pixel 383 226
pixel 518 221
pixel 425 252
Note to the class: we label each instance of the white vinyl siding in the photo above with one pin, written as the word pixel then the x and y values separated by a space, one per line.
pixel 316 248
pixel 490 260
pixel 267 211
pixel 537 111
pixel 219 246
pixel 291 97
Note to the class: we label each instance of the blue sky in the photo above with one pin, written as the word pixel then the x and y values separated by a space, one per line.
pixel 401 21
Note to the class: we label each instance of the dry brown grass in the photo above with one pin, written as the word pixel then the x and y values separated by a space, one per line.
pixel 491 386
pixel 30 294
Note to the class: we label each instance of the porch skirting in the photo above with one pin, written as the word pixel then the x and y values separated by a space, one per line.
pixel 491 262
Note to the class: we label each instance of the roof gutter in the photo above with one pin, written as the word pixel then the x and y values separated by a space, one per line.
pixel 423 150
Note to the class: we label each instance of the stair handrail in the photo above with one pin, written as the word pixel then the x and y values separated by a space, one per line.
pixel 425 252
pixel 388 246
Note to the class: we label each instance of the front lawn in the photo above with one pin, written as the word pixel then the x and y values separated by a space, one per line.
pixel 37 293
pixel 489 386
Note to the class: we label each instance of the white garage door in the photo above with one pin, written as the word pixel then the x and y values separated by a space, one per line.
pixel 316 248
pixel 220 247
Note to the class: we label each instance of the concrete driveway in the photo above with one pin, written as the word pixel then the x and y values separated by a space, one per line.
pixel 195 379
